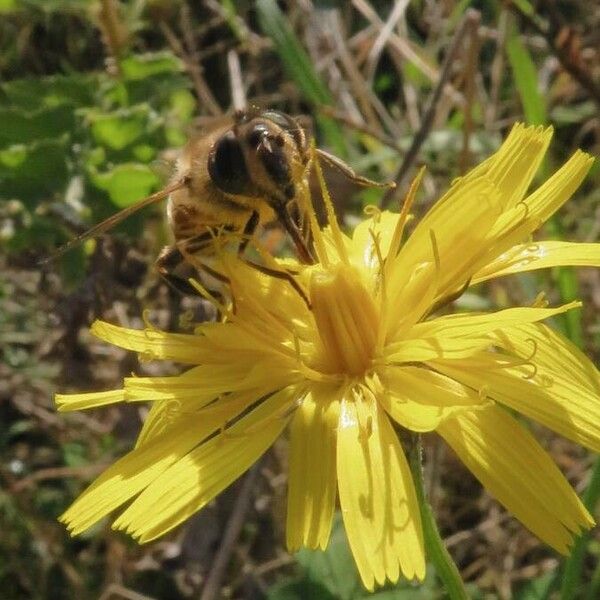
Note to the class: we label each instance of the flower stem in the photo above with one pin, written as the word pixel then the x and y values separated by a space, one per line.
pixel 434 545
pixel 571 574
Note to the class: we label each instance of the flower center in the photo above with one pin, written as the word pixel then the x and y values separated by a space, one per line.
pixel 347 320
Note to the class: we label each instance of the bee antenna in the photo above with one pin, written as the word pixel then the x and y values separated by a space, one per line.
pixel 115 219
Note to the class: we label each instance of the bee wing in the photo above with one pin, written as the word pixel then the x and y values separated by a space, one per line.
pixel 115 219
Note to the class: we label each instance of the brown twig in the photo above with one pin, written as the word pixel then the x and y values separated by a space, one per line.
pixel 469 77
pixel 497 70
pixel 56 473
pixel 212 587
pixel 114 35
pixel 562 53
pixel 470 21
pixel 385 139
pixel 189 55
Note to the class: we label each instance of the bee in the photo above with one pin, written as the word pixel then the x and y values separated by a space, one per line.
pixel 244 172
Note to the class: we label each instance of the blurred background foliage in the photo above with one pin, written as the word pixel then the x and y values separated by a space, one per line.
pixel 96 97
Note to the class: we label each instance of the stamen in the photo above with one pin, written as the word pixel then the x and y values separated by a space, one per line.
pixel 535 347
pixel 171 410
pixel 307 207
pixel 210 298
pixel 436 252
pixel 147 356
pixel 540 301
pixel 150 327
pixel 483 392
pixel 331 217
pixel 373 211
pixel 382 330
pixel 306 371
pixel 404 214
pixel 533 367
pixel 186 320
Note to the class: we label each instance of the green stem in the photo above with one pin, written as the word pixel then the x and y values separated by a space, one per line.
pixel 434 545
pixel 571 576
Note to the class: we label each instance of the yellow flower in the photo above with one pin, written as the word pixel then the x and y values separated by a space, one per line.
pixel 350 347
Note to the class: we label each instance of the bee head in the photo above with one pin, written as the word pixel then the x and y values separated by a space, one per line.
pixel 261 155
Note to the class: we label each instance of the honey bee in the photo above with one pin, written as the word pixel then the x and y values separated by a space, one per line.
pixel 244 172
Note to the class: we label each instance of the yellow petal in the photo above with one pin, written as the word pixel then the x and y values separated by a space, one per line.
pixel 540 255
pixel 132 473
pixel 196 478
pixel 202 384
pixel 515 469
pixel 514 165
pixel 66 402
pixel 557 386
pixel 377 496
pixel 312 478
pixel 517 223
pixel 378 229
pixel 461 335
pixel 419 399
pixel 164 413
pixel 155 345
pixel 450 237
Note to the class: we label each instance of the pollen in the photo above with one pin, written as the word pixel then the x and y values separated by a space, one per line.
pixel 347 320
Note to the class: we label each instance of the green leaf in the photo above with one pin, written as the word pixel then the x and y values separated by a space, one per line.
pixel 536 589
pixel 299 590
pixel 525 73
pixel 33 172
pixel 20 126
pixel 29 94
pixel 117 130
pixel 127 183
pixel 7 5
pixel 141 66
pixel 333 569
pixel 182 105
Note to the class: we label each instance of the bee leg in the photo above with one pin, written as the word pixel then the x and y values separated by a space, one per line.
pixel 248 232
pixel 167 263
pixel 347 171
pixel 175 269
pixel 286 220
pixel 285 275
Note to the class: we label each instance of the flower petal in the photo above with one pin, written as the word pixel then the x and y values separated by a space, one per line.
pixel 312 482
pixel 514 165
pixel 195 479
pixel 132 473
pixel 515 469
pixel 66 402
pixel 562 392
pixel 449 239
pixel 420 399
pixel 168 434
pixel 154 344
pixel 517 223
pixel 461 335
pixel 540 255
pixel 200 385
pixel 380 227
pixel 377 496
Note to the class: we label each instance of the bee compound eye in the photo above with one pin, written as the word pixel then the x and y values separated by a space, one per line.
pixel 227 166
pixel 257 134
